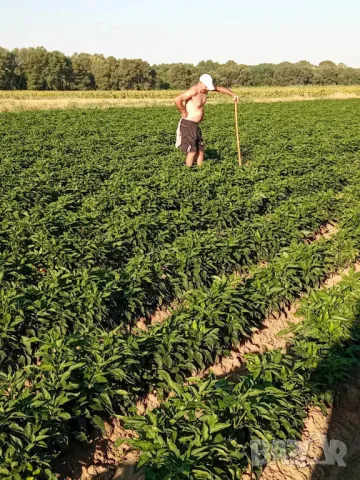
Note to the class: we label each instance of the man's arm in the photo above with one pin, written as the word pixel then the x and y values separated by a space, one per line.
pixel 227 91
pixel 182 98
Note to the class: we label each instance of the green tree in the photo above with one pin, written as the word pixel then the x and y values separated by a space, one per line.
pixel 263 74
pixel 307 71
pixel 327 73
pixel 327 63
pixel 207 66
pixel 19 54
pixel 38 69
pixel 82 76
pixel 114 73
pixel 287 73
pixel 180 76
pixel 348 75
pixel 101 71
pixel 162 82
pixel 245 77
pixel 135 74
pixel 8 78
pixel 228 74
pixel 32 64
pixel 58 72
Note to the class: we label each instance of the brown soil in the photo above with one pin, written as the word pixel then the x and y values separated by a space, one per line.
pixel 315 425
pixel 99 459
pixel 342 422
pixel 149 402
pixel 334 279
pixel 327 231
pixel 262 339
pixel 158 317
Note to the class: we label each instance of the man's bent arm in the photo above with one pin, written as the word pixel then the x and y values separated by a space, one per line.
pixel 182 98
pixel 227 91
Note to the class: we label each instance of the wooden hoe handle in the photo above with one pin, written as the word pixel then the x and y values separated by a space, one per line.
pixel 237 133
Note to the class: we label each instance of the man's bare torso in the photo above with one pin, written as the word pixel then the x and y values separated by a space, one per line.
pixel 195 107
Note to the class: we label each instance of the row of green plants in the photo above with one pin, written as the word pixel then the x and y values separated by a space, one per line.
pixel 92 296
pixel 207 428
pixel 78 377
pixel 100 223
pixel 114 199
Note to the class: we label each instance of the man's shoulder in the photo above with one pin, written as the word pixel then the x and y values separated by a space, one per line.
pixel 193 90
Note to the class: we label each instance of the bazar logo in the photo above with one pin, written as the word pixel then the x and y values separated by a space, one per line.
pixel 300 453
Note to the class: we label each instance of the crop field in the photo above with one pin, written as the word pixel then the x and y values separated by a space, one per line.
pixel 102 227
pixel 23 100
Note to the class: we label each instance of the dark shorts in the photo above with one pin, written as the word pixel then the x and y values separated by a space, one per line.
pixel 191 137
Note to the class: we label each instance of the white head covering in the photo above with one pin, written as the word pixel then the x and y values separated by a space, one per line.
pixel 207 80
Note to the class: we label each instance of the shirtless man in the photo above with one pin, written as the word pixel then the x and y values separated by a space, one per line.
pixel 192 114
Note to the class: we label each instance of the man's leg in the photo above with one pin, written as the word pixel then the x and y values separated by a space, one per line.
pixel 200 158
pixel 190 158
pixel 200 147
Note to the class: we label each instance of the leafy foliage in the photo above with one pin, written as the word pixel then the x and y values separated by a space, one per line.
pixel 39 69
pixel 101 224
pixel 179 439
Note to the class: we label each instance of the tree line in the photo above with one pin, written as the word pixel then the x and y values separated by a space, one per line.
pixel 39 69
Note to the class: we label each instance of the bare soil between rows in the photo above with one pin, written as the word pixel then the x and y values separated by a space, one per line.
pixel 342 423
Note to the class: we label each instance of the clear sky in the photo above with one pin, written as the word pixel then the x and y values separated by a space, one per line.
pixel 247 31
